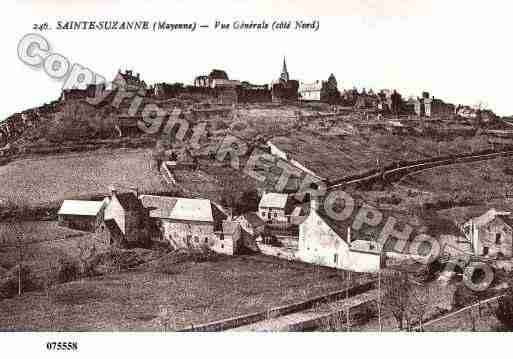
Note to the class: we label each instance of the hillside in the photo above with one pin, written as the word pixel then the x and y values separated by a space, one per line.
pixel 44 180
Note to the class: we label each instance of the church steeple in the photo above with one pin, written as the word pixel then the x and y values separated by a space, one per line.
pixel 284 73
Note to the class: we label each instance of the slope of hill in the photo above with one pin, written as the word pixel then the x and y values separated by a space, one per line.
pixel 43 181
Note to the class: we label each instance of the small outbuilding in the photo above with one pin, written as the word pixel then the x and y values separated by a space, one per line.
pixel 81 215
pixel 275 208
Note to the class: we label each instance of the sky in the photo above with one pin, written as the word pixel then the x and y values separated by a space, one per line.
pixel 459 51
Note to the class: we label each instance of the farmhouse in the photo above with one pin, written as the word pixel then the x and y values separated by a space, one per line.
pixel 82 215
pixel 491 234
pixel 126 220
pixel 326 242
pixel 193 223
pixel 275 208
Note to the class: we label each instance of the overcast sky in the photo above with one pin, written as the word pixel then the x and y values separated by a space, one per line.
pixel 459 51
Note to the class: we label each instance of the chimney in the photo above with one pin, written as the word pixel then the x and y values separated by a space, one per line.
pixel 138 76
pixel 314 203
pixel 113 191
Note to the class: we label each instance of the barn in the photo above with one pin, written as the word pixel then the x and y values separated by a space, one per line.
pixel 81 215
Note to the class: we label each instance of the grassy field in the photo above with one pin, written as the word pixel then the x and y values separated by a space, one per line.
pixel 169 296
pixel 484 321
pixel 45 180
pixel 43 242
pixel 338 156
pixel 486 180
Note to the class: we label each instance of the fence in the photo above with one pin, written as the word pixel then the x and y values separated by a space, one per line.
pixel 459 312
pixel 238 321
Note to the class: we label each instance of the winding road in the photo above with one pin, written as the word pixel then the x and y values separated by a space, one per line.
pixel 394 173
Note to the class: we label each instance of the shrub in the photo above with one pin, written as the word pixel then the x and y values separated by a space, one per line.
pixel 68 271
pixel 9 284
pixel 504 311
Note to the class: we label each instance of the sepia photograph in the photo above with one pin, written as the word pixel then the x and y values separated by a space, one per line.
pixel 339 170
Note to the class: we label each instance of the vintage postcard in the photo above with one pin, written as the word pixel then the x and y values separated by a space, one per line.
pixel 173 167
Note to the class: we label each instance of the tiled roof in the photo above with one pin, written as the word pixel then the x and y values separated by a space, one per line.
pixel 186 209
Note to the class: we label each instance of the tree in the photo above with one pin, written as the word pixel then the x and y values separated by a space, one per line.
pixel 396 297
pixel 159 153
pixel 420 303
pixel 504 311
pixel 479 107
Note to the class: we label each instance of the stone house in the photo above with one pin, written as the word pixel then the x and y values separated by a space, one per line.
pixel 126 220
pixel 491 234
pixel 229 239
pixel 275 208
pixel 327 242
pixel 193 223
pixel 252 226
pixel 82 215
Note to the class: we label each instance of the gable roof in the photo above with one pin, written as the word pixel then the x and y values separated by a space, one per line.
pixel 185 209
pixel 129 200
pixel 487 217
pixel 81 208
pixel 274 200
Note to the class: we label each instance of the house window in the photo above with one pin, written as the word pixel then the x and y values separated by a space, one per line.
pixel 497 238
pixel 222 246
pixel 206 240
pixel 196 239
pixel 335 258
pixel 275 215
pixel 486 251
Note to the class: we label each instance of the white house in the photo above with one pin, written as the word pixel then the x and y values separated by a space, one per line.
pixel 491 234
pixel 326 242
pixel 311 91
pixel 275 207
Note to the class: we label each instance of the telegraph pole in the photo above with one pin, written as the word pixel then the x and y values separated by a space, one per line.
pixel 379 300
pixel 347 299
pixel 20 254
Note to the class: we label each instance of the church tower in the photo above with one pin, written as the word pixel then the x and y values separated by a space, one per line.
pixel 284 73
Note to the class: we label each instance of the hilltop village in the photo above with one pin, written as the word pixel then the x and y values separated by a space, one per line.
pixel 296 173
